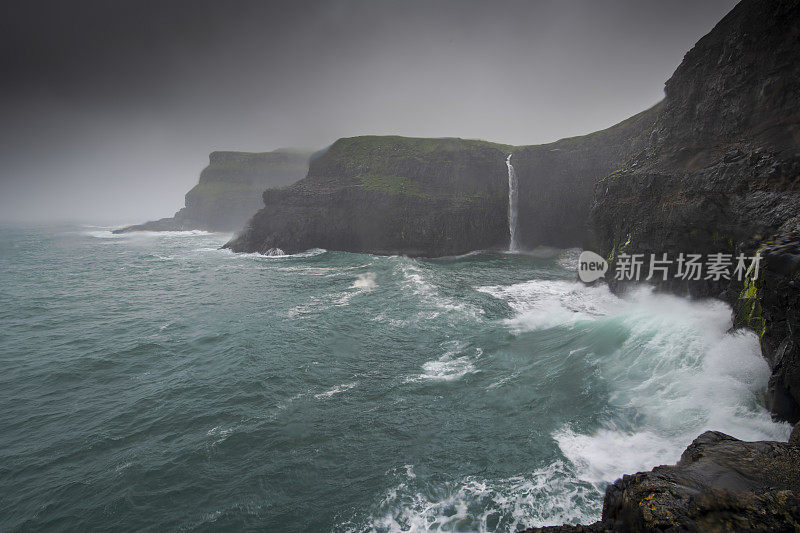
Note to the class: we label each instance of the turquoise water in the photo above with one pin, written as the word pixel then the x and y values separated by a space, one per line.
pixel 155 382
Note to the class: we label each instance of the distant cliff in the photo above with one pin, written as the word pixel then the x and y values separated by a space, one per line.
pixel 229 190
pixel 435 197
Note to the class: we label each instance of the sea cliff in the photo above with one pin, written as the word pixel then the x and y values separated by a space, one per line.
pixel 389 195
pixel 556 180
pixel 720 173
pixel 229 190
pixel 438 197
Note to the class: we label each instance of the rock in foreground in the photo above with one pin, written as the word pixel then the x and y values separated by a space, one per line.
pixel 719 484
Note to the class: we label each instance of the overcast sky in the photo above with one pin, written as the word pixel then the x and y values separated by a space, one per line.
pixel 110 108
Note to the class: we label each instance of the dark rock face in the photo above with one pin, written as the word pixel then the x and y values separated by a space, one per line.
pixel 556 180
pixel 776 310
pixel 719 484
pixel 389 195
pixel 722 168
pixel 721 174
pixel 229 190
pixel 794 438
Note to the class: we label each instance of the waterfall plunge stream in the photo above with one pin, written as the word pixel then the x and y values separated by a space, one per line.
pixel 512 206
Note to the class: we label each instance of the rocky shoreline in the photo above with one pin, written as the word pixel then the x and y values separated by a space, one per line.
pixel 719 484
pixel 713 168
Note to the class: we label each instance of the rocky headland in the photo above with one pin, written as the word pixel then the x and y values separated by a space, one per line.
pixel 229 190
pixel 389 195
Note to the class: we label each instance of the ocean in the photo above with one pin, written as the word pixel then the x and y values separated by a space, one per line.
pixel 152 381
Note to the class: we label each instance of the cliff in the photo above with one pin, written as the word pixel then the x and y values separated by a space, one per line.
pixel 229 190
pixel 556 180
pixel 721 173
pixel 435 197
pixel 389 195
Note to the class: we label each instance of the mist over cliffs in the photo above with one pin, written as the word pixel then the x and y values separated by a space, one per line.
pixel 335 375
pixel 229 190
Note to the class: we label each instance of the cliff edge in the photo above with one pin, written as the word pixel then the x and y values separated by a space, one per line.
pixel 389 195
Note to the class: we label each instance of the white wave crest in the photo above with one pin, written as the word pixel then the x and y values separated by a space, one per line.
pixel 365 281
pixel 101 234
pixel 678 371
pixel 452 365
pixel 542 304
pixel 272 254
pixel 568 259
pixel 548 495
pixel 447 368
pixel 414 280
pixel 335 390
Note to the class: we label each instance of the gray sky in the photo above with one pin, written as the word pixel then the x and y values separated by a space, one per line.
pixel 111 108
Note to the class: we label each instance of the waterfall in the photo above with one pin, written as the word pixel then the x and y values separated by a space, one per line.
pixel 512 206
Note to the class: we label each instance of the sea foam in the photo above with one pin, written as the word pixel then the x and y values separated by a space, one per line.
pixel 680 371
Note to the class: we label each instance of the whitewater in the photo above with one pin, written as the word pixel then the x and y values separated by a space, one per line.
pixel 155 381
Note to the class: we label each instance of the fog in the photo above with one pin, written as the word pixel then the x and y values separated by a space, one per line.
pixel 111 108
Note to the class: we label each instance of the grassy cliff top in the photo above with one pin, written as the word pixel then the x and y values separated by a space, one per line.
pixel 396 146
pixel 368 145
pixel 256 159
pixel 627 128
pixel 265 169
pixel 410 166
